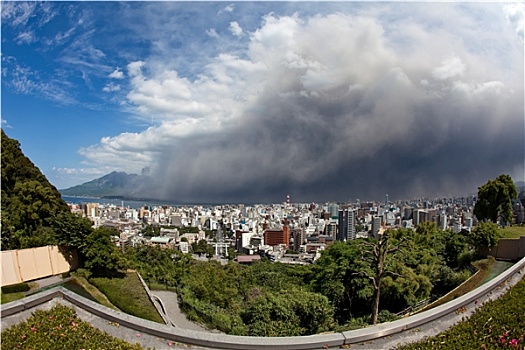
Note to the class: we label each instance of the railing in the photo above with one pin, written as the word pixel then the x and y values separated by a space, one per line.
pixel 223 341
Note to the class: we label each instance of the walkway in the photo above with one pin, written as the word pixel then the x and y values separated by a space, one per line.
pixel 432 328
pixel 171 302
pixel 147 341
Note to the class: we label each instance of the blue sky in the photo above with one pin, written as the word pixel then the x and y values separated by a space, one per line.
pixel 233 101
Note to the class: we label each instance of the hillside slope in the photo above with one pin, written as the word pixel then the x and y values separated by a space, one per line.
pixel 29 200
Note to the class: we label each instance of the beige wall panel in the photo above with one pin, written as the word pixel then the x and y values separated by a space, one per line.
pixel 42 262
pixel 26 261
pixel 58 261
pixel 10 273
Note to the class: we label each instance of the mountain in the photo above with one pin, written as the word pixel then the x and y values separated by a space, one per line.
pixel 115 184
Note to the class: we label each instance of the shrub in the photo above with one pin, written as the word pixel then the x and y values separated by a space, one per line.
pixel 16 288
pixel 497 324
pixel 57 329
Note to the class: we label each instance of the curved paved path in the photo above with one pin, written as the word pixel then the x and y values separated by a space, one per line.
pixel 171 302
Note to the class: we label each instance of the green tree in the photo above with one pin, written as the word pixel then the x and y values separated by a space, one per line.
pixel 292 312
pixel 29 201
pixel 484 235
pixel 200 247
pixel 495 200
pixel 102 257
pixel 378 259
pixel 334 275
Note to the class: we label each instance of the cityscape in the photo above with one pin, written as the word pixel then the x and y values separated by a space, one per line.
pixel 263 175
pixel 293 233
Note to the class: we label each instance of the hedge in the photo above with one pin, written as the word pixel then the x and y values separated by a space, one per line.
pixel 16 288
pixel 59 329
pixel 498 324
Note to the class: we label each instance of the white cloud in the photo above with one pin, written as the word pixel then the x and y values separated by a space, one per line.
pixel 449 68
pixel 17 13
pixel 5 124
pixel 23 80
pixel 212 33
pixel 77 171
pixel 236 29
pixel 325 89
pixel 228 9
pixel 111 87
pixel 514 13
pixel 134 68
pixel 25 38
pixel 117 74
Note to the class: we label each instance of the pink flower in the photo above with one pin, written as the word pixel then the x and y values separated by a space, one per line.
pixel 513 343
pixel 138 335
pixel 50 318
pixel 170 343
pixel 33 329
pixel 73 324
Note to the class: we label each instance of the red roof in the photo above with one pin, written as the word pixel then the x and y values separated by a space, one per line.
pixel 247 258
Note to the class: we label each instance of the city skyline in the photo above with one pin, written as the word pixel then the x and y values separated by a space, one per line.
pixel 233 102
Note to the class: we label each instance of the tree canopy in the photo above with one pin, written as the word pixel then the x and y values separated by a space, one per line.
pixel 29 201
pixel 34 214
pixel 495 200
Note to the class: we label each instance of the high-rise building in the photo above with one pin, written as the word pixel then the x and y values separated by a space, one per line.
pixel 331 229
pixel 277 237
pixel 346 225
pixel 376 226
pixel 333 208
pixel 299 238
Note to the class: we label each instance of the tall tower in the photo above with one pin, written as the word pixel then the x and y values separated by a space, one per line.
pixel 287 200
pixel 346 225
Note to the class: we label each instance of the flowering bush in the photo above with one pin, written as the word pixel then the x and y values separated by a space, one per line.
pixel 498 324
pixel 59 328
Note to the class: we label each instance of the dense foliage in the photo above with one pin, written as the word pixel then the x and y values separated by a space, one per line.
pixel 59 329
pixel 34 215
pixel 499 324
pixel 336 293
pixel 495 200
pixel 484 235
pixel 29 201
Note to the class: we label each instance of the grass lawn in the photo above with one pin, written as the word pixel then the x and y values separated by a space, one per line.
pixel 512 232
pixel 82 287
pixel 127 293
pixel 7 298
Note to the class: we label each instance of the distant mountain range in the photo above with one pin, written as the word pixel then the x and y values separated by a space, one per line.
pixel 112 185
pixel 132 186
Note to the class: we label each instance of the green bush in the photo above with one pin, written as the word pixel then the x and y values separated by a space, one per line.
pixel 15 288
pixel 57 329
pixel 498 324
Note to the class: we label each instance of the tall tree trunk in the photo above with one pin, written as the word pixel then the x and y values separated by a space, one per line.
pixel 375 304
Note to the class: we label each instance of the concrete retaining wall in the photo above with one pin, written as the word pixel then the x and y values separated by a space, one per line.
pixel 509 249
pixel 223 341
pixel 153 300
